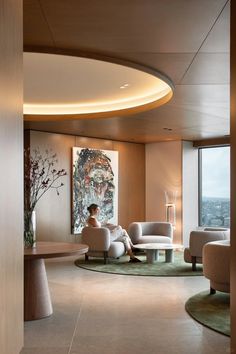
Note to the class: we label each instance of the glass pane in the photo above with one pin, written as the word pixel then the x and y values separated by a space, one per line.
pixel 215 187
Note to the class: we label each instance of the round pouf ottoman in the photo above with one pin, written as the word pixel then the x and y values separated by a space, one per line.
pixel 216 265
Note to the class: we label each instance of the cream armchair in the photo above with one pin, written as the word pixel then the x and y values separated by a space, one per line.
pixel 100 244
pixel 216 265
pixel 197 239
pixel 150 232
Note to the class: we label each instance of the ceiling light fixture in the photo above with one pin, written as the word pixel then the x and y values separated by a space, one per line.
pixel 124 86
pixel 59 87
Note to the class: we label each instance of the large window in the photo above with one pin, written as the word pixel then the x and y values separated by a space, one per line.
pixel 214 188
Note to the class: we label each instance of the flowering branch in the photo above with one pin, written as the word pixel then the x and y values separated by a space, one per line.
pixel 40 176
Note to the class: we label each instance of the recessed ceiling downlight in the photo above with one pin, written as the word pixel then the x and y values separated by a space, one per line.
pixel 58 87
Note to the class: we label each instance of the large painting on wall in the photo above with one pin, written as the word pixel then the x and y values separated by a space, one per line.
pixel 95 180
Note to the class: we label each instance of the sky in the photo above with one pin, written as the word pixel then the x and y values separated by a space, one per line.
pixel 216 172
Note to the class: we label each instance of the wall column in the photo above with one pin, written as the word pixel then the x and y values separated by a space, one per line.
pixel 233 176
pixel 189 190
pixel 11 177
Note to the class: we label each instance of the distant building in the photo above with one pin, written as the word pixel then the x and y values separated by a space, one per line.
pixel 215 212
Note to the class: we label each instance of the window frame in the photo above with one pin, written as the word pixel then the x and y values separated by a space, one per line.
pixel 200 179
pixel 200 187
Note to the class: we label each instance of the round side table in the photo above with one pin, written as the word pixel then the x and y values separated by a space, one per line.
pixel 37 299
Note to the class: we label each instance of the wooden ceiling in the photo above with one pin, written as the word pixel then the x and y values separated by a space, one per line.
pixel 186 40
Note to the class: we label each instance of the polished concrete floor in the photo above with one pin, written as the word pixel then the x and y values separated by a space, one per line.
pixel 96 313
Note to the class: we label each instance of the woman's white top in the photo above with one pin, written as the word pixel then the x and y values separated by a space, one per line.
pixel 116 231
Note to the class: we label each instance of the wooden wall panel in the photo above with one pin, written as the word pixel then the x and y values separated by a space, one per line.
pixel 131 182
pixel 54 212
pixel 164 173
pixel 11 177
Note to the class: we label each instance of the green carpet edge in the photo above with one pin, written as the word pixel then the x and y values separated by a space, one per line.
pixel 201 321
pixel 134 275
pixel 99 267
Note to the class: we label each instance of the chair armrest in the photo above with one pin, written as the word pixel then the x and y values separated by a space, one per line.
pixel 164 229
pixel 135 232
pixel 97 238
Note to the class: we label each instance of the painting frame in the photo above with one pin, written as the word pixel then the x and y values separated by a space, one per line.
pixel 94 181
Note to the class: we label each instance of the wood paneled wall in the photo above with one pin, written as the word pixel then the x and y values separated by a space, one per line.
pixel 11 177
pixel 53 212
pixel 164 173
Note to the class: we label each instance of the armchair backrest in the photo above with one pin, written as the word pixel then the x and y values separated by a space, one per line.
pixel 97 238
pixel 199 238
pixel 157 228
pixel 215 228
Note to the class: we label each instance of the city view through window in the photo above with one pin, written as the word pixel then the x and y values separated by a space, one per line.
pixel 215 187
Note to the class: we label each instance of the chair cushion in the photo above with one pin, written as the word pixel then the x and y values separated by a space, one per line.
pixel 154 239
pixel 116 249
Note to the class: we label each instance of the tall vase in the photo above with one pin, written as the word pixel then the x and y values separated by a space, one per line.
pixel 30 228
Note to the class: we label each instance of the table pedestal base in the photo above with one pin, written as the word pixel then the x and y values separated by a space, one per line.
pixel 37 302
pixel 153 255
pixel 170 256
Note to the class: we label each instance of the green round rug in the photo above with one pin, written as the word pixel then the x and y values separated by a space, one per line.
pixel 158 269
pixel 213 311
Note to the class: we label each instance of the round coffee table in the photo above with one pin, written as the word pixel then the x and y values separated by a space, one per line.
pixel 152 250
pixel 37 300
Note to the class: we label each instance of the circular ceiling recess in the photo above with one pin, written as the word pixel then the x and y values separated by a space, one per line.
pixel 59 87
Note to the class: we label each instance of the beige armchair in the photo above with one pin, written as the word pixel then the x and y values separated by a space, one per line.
pixel 216 265
pixel 150 232
pixel 100 244
pixel 197 239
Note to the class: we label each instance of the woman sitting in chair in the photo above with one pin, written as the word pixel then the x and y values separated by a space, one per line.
pixel 116 232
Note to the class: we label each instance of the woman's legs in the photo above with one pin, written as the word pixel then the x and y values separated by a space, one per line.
pixel 121 235
pixel 129 239
pixel 127 243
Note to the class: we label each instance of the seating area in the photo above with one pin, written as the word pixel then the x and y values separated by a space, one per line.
pixel 209 246
pixel 100 244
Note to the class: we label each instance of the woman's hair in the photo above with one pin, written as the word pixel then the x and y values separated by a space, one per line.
pixel 92 207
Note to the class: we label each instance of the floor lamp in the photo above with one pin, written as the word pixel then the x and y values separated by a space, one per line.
pixel 170 207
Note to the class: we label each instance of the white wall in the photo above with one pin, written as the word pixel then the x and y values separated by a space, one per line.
pixel 164 173
pixel 189 190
